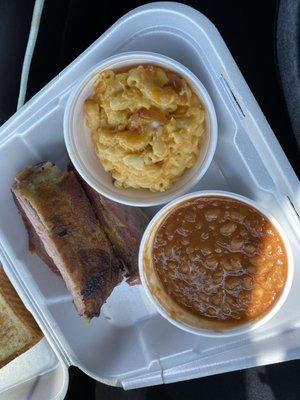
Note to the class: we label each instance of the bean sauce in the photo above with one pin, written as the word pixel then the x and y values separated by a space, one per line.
pixel 220 259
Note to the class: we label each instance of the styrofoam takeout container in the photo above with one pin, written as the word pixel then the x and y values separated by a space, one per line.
pixel 131 345
pixel 80 148
pixel 185 320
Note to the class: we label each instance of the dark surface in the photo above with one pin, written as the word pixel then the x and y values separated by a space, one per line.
pixel 248 28
pixel 288 56
pixel 14 28
pixel 274 382
pixel 277 382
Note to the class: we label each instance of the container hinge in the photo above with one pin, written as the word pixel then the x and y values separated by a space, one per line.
pixel 153 375
pixel 151 379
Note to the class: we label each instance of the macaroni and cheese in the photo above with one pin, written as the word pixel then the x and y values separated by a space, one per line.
pixel 147 126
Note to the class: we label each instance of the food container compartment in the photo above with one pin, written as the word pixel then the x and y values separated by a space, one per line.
pixel 50 384
pixel 168 308
pixel 39 360
pixel 78 135
pixel 130 345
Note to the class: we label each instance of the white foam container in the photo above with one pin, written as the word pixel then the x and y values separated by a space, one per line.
pixel 130 345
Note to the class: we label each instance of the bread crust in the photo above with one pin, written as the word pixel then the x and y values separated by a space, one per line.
pixel 15 305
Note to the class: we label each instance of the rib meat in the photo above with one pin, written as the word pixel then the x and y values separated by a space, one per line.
pixel 34 242
pixel 65 232
pixel 124 226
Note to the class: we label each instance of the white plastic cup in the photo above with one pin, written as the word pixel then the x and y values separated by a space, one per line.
pixel 78 136
pixel 157 295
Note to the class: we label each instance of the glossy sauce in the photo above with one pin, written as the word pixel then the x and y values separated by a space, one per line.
pixel 221 259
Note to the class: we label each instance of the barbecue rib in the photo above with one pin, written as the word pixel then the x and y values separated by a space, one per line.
pixel 124 226
pixel 34 242
pixel 64 231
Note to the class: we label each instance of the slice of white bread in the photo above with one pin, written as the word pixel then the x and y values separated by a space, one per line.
pixel 18 329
